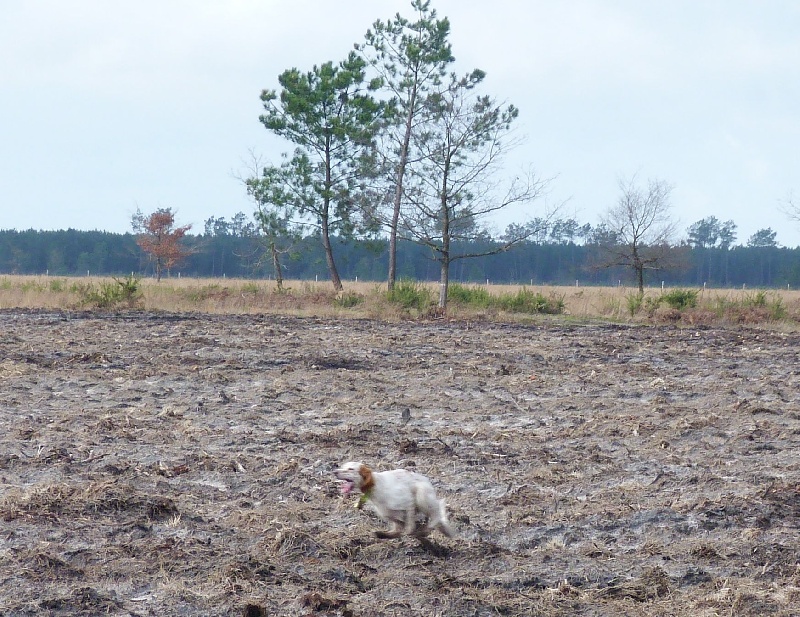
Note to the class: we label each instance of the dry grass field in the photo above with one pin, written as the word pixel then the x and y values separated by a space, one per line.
pixel 177 458
pixel 774 308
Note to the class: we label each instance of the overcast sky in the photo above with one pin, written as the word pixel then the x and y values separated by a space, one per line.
pixel 106 106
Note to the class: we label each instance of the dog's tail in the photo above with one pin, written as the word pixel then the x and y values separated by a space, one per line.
pixel 443 524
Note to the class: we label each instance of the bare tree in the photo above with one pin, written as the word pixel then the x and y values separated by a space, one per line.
pixel 159 238
pixel 642 230
pixel 791 207
pixel 459 182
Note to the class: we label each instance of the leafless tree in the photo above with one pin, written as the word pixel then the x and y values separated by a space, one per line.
pixel 791 207
pixel 459 181
pixel 642 230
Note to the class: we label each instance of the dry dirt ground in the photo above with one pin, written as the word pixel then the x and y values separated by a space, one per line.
pixel 159 464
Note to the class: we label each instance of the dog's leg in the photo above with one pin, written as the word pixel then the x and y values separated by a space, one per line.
pixel 394 532
pixel 411 521
pixel 442 524
pixel 446 529
pixel 438 518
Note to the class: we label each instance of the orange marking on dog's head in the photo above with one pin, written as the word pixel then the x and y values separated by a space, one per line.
pixel 367 481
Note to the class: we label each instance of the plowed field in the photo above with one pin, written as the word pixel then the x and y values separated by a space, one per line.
pixel 165 464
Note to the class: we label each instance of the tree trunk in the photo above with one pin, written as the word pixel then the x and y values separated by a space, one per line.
pixel 326 232
pixel 444 282
pixel 392 251
pixel 398 191
pixel 276 265
pixel 444 253
pixel 638 266
pixel 326 243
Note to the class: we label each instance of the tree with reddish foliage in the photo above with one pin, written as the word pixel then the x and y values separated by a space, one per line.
pixel 160 239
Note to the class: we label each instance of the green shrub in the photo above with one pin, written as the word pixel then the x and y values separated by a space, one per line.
pixel 205 292
pixel 110 295
pixel 680 299
pixel 410 295
pixel 527 301
pixel 32 286
pixel 757 300
pixel 771 302
pixel 677 299
pixel 472 296
pixel 777 309
pixel 251 288
pixel 634 302
pixel 651 304
pixel 348 299
pixel 759 306
pixel 57 285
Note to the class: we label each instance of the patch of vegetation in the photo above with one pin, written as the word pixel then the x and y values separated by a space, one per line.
pixel 32 286
pixel 58 285
pixel 528 301
pixel 752 308
pixel 756 300
pixel 634 302
pixel 770 301
pixel 206 292
pixel 680 299
pixel 251 288
pixel 283 290
pixel 410 295
pixel 121 292
pixel 470 296
pixel 676 299
pixel 348 299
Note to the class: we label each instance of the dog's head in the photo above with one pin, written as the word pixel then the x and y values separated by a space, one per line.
pixel 355 476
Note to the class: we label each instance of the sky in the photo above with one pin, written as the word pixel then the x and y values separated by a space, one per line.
pixel 109 106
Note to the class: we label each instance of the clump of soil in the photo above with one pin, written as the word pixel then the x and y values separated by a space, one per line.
pixel 163 464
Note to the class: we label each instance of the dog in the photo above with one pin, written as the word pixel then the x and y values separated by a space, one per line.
pixel 399 497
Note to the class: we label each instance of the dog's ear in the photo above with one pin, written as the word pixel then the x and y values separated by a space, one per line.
pixel 367 481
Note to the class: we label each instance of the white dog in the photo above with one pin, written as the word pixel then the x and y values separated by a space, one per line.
pixel 398 497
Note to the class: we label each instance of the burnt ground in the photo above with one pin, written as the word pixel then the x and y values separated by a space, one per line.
pixel 159 464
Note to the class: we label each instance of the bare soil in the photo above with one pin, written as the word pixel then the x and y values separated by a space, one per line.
pixel 165 464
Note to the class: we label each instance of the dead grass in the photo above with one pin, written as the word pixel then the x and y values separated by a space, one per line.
pixel 778 308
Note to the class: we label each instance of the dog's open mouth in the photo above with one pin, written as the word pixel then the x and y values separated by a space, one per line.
pixel 347 486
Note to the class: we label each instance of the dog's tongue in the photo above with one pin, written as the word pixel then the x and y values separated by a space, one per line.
pixel 346 487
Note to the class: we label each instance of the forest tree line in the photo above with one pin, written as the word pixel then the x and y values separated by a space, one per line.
pixel 235 249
